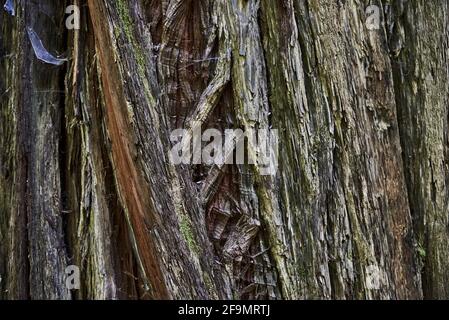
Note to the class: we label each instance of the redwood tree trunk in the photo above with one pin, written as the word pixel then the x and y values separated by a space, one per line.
pixel 362 186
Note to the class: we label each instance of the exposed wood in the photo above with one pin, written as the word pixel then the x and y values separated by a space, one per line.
pixel 361 188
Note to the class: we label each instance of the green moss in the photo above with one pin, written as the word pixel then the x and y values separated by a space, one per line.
pixel 421 252
pixel 140 60
pixel 210 286
pixel 185 227
pixel 139 55
pixel 303 272
pixel 208 283
pixel 125 17
pixel 127 25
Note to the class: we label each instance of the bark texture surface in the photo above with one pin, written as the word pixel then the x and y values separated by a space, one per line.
pixel 362 186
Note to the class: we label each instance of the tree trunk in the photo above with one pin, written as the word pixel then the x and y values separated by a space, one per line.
pixel 358 208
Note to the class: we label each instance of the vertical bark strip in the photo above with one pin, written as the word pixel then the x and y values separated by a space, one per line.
pixel 420 59
pixel 14 248
pixel 36 249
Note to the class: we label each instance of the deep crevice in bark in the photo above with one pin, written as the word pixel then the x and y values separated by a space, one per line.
pixel 89 168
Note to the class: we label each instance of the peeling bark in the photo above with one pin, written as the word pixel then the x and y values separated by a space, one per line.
pixel 361 188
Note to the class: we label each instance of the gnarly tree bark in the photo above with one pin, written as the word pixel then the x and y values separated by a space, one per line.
pixel 363 174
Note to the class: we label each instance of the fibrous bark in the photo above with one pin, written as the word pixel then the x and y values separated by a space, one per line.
pixel 362 179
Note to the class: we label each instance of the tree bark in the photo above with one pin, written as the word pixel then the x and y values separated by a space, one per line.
pixel 362 184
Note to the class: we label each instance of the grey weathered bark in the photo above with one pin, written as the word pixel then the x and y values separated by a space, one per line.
pixel 362 185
